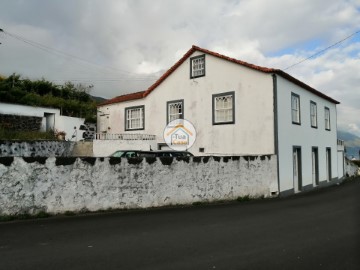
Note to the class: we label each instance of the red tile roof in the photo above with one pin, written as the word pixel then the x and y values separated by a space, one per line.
pixel 194 48
pixel 126 97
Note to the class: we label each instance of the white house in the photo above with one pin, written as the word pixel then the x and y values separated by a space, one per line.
pixel 49 119
pixel 238 109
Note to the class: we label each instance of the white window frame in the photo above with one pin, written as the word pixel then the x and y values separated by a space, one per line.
pixel 133 122
pixel 295 109
pixel 172 115
pixel 313 114
pixel 197 66
pixel 327 118
pixel 228 111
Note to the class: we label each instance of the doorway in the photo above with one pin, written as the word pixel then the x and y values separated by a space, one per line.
pixel 297 176
pixel 328 164
pixel 315 166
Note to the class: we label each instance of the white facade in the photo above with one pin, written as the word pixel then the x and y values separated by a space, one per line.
pixel 252 133
pixel 304 137
pixel 51 119
pixel 263 117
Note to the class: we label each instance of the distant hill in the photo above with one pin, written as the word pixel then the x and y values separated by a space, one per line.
pixel 352 143
pixel 98 99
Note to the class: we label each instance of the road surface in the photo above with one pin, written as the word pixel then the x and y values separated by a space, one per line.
pixel 316 230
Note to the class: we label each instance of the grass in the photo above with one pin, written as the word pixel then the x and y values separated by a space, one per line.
pixel 6 134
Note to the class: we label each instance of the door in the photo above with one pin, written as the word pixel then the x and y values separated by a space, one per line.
pixel 297 169
pixel 328 164
pixel 315 166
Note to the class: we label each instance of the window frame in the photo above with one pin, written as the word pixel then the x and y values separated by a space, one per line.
pixel 167 109
pixel 313 103
pixel 298 111
pixel 126 115
pixel 214 96
pixel 191 66
pixel 327 109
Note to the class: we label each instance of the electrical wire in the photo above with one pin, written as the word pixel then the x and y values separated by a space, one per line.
pixel 321 51
pixel 57 52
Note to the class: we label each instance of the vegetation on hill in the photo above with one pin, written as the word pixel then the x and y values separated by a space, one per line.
pixel 72 100
pixel 352 144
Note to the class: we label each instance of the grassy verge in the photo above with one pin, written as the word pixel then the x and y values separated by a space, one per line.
pixel 6 134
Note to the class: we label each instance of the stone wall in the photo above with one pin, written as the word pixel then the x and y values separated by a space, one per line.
pixel 21 123
pixel 351 169
pixel 56 185
pixel 36 148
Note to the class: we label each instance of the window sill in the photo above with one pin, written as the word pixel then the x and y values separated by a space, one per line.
pixel 134 129
pixel 224 123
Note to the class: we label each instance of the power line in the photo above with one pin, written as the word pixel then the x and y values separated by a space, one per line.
pixel 72 57
pixel 320 52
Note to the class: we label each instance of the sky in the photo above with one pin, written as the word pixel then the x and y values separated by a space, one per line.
pixel 123 46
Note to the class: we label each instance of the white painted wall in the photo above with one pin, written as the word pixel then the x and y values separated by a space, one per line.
pixel 57 121
pixel 303 135
pixel 253 131
pixel 34 187
pixel 16 109
pixel 71 126
pixel 340 163
pixel 104 148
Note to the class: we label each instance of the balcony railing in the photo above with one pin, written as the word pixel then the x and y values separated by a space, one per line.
pixel 128 137
pixel 340 142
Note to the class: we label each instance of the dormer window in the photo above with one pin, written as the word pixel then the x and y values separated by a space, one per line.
pixel 197 66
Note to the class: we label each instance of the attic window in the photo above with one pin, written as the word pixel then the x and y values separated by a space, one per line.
pixel 197 66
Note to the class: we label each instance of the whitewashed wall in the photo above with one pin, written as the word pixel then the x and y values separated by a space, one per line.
pixel 104 148
pixel 16 109
pixel 71 126
pixel 351 169
pixel 56 185
pixel 253 131
pixel 303 135
pixel 57 121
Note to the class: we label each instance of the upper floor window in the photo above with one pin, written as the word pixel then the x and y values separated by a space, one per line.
pixel 295 108
pixel 175 110
pixel 197 66
pixel 224 108
pixel 313 114
pixel 135 118
pixel 327 118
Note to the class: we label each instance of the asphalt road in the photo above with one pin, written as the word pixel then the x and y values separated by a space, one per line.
pixel 316 230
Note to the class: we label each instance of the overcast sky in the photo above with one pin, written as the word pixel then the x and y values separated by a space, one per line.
pixel 122 46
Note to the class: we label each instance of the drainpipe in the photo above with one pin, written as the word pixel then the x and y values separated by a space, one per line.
pixel 276 137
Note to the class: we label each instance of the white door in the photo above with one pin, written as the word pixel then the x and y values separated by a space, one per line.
pixel 297 169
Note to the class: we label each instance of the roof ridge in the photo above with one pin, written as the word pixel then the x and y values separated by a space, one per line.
pixel 143 94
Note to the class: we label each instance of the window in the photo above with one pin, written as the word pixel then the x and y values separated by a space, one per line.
pixel 197 66
pixel 327 118
pixel 224 108
pixel 134 118
pixel 295 108
pixel 175 110
pixel 313 114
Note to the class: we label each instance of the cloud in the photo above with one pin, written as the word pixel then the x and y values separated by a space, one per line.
pixel 130 42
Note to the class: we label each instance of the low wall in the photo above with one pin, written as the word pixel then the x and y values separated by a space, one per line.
pixel 351 169
pixel 20 122
pixel 104 148
pixel 56 185
pixel 36 148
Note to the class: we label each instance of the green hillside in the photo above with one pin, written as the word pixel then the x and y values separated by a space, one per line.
pixel 72 100
pixel 352 143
